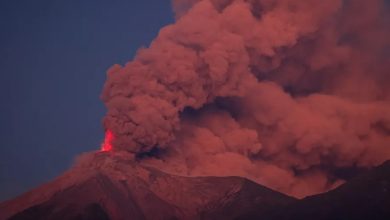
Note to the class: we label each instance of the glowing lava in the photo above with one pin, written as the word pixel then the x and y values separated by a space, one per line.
pixel 107 144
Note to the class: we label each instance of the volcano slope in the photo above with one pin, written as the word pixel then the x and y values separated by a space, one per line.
pixel 366 196
pixel 107 186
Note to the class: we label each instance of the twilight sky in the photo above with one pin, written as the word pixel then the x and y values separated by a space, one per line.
pixel 53 59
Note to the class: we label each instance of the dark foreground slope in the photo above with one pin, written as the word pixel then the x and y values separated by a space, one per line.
pixel 110 187
pixel 103 187
pixel 364 197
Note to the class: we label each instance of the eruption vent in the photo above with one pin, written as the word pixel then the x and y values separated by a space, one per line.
pixel 107 144
pixel 291 94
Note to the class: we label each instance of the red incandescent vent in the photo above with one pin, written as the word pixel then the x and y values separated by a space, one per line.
pixel 107 144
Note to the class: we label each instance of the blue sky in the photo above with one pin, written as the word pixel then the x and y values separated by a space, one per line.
pixel 53 58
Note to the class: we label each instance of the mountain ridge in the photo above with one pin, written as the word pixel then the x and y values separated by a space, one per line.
pixel 118 188
pixel 366 196
pixel 105 186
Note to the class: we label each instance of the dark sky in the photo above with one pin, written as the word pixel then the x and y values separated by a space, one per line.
pixel 53 58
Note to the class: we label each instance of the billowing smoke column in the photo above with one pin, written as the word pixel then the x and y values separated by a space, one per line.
pixel 291 94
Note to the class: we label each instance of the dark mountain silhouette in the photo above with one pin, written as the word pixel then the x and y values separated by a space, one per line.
pixel 106 187
pixel 365 197
pixel 111 187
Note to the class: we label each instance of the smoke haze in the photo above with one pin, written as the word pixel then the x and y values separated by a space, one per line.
pixel 284 92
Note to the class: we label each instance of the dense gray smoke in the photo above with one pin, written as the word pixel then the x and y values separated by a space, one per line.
pixel 287 93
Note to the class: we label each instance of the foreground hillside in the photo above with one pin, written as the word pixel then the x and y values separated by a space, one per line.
pixel 108 187
pixel 111 187
pixel 365 197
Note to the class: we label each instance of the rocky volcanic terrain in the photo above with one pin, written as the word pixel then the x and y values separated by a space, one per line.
pixel 103 187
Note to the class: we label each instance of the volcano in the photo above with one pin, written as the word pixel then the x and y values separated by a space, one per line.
pixel 108 186
pixel 105 186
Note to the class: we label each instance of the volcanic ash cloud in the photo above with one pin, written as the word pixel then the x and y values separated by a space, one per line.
pixel 287 93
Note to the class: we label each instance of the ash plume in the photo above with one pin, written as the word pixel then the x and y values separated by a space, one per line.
pixel 282 92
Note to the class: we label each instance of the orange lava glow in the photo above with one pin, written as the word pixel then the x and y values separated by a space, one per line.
pixel 107 144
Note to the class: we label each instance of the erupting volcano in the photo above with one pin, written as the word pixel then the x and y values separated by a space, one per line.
pixel 287 93
pixel 238 110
